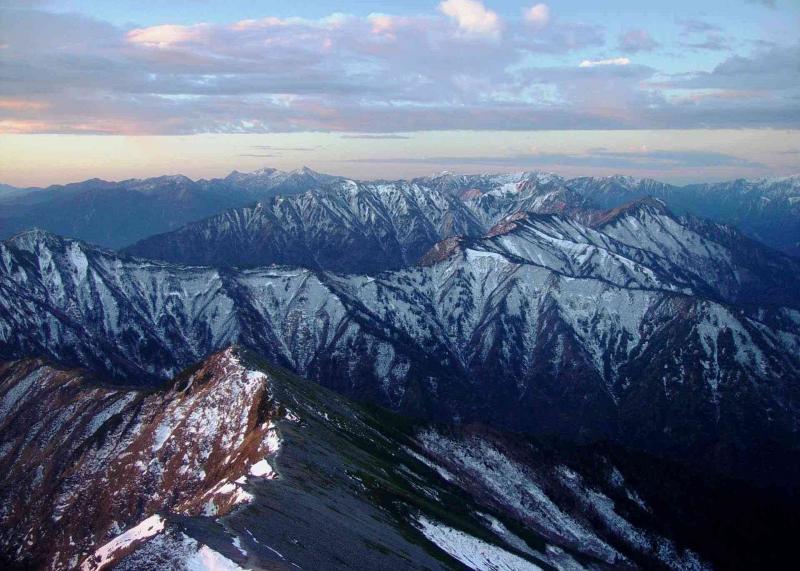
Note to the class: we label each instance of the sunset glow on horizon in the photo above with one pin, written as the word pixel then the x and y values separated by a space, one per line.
pixel 126 89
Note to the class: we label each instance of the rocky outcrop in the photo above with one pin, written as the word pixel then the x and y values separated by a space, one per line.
pixel 83 461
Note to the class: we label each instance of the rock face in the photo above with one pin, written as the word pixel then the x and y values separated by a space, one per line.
pixel 83 461
pixel 639 327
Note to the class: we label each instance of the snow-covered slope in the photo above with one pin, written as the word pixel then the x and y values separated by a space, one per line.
pixel 352 226
pixel 593 337
pixel 765 209
pixel 367 227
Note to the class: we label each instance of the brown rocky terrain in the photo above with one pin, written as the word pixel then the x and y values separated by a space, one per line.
pixel 84 461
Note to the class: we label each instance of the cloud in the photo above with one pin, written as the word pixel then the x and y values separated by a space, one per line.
pixel 292 149
pixel 376 136
pixel 613 61
pixel 712 42
pixel 767 3
pixel 167 35
pixel 692 26
pixel 472 17
pixel 634 41
pixel 363 76
pixel 773 69
pixel 713 38
pixel 602 158
pixel 537 15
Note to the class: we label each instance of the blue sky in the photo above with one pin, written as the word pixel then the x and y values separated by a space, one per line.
pixel 374 89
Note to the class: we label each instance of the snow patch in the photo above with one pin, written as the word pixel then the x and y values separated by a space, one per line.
pixel 471 551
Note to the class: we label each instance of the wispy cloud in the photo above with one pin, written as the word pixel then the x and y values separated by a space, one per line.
pixel 598 157
pixel 693 26
pixel 612 61
pixel 376 136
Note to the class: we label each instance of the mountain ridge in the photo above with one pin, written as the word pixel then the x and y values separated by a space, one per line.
pixel 385 492
pixel 765 209
pixel 426 340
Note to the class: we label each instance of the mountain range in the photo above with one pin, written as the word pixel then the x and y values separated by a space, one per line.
pixel 118 214
pixel 487 372
pixel 115 214
pixel 659 331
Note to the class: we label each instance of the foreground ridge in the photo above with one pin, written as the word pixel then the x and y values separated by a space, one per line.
pixel 384 493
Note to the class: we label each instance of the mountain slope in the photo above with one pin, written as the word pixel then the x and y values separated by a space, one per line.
pixel 366 227
pixel 767 209
pixel 349 226
pixel 594 344
pixel 297 476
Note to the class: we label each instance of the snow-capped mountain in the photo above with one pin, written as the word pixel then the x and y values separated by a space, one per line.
pixel 350 226
pixel 117 214
pixel 674 345
pixel 238 464
pixel 355 226
pixel 766 209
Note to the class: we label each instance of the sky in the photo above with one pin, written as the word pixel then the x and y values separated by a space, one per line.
pixel 681 90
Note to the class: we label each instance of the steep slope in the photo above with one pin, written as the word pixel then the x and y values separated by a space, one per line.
pixel 593 344
pixel 104 457
pixel 349 226
pixel 355 226
pixel 352 226
pixel 294 476
pixel 116 214
pixel 643 238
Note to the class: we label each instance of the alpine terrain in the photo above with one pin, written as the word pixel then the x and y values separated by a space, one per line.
pixel 483 372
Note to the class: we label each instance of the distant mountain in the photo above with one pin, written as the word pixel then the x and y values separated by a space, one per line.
pixel 675 344
pixel 354 226
pixel 115 214
pixel 766 209
pixel 239 464
pixel 349 226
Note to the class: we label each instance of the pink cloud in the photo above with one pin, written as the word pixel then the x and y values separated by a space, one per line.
pixel 472 17
pixel 167 35
pixel 537 15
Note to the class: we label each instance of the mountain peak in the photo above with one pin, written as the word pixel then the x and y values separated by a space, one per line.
pixel 650 205
pixel 304 170
pixel 508 224
pixel 29 239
